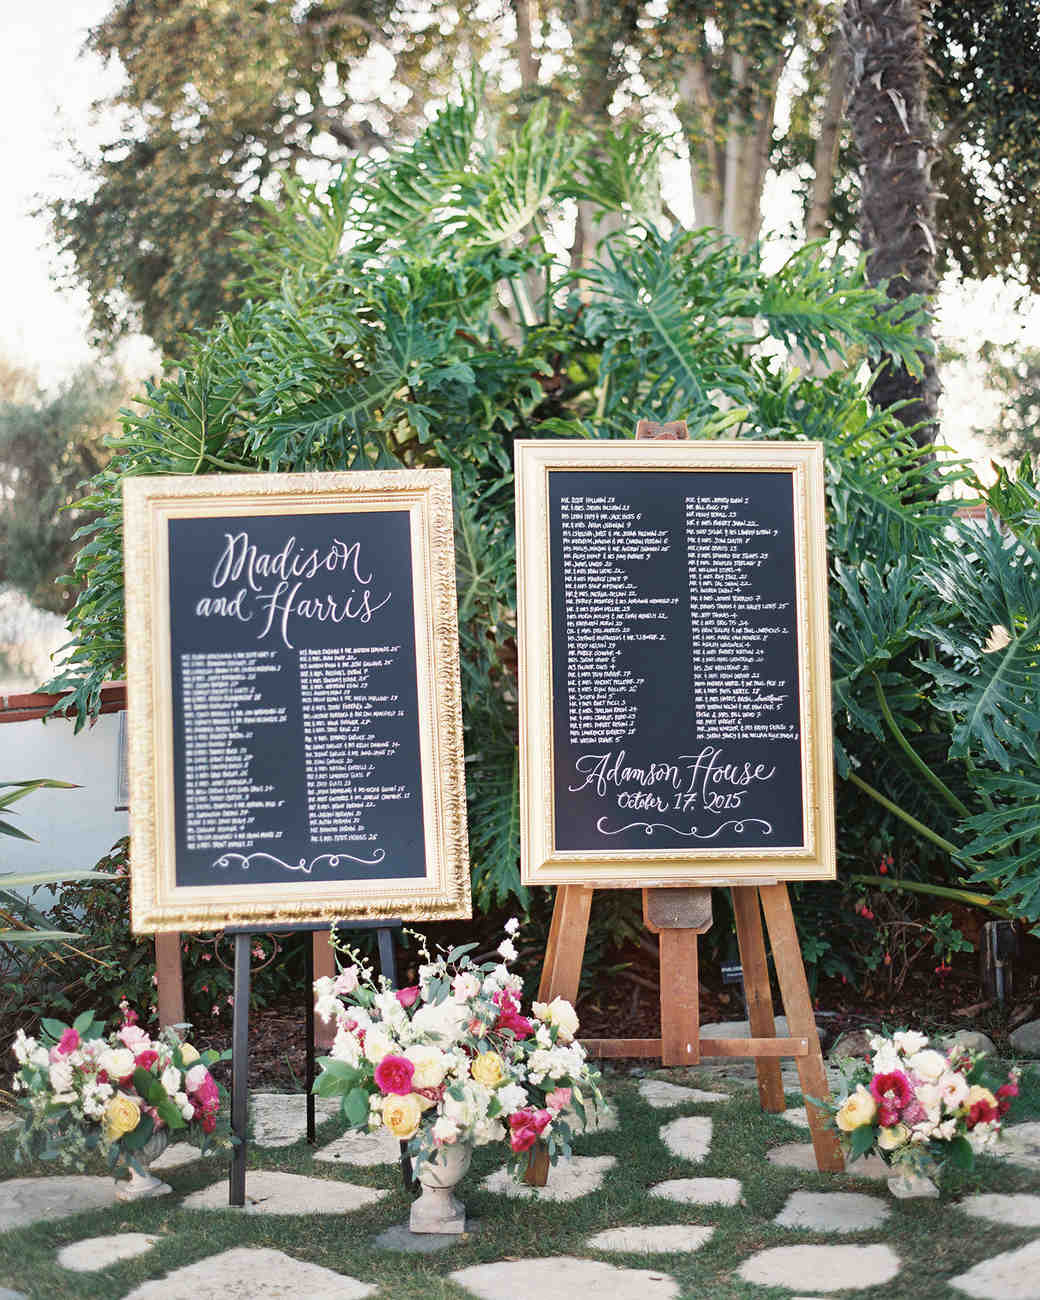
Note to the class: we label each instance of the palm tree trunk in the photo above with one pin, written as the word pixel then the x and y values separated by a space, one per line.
pixel 893 135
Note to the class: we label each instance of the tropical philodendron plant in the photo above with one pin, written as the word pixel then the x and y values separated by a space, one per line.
pixel 418 312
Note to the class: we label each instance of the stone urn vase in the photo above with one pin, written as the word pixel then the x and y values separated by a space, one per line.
pixel 139 1187
pixel 906 1185
pixel 436 1209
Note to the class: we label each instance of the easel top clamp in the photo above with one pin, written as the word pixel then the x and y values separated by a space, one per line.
pixel 677 916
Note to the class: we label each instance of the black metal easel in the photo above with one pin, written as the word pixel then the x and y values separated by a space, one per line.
pixel 240 1027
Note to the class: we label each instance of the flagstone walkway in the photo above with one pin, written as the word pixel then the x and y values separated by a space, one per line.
pixel 800 1270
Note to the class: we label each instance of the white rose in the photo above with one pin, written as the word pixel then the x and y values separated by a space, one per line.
pixel 171 1080
pixel 909 1041
pixel 61 1077
pixel 377 1044
pixel 886 1058
pixel 954 1089
pixel 431 1065
pixel 117 1062
pixel 512 1098
pixel 560 1013
pixel 465 986
pixel 442 1021
pixel 444 1131
pixel 195 1077
pixel 346 1048
pixel 928 1065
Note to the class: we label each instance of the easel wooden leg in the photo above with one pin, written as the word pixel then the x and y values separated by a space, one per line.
pixel 169 979
pixel 756 990
pixel 323 964
pixel 565 948
pixel 794 989
pixel 680 998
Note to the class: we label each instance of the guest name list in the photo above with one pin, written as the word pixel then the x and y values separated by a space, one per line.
pixel 295 700
pixel 675 660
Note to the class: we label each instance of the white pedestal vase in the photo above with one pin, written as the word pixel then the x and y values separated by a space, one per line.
pixel 436 1209
pixel 908 1186
pixel 139 1187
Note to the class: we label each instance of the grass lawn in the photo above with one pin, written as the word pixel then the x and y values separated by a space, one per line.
pixel 934 1240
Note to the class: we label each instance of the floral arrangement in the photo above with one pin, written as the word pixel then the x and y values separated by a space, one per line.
pixel 82 1092
pixel 917 1107
pixel 453 1059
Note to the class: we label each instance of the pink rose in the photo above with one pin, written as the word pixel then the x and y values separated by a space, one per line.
pixel 133 1037
pixel 394 1075
pixel 146 1059
pixel 409 996
pixel 346 981
pixel 69 1041
pixel 527 1127
pixel 557 1099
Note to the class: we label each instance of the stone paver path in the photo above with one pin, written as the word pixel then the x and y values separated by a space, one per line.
pixel 99 1252
pixel 655 1239
pixel 280 1119
pixel 688 1137
pixel 178 1154
pixel 800 1155
pixel 579 1176
pixel 362 1149
pixel 31 1200
pixel 832 1212
pixel 663 1095
pixel 1014 1275
pixel 824 1268
pixel 268 1191
pixel 1020 1143
pixel 1018 1209
pixel 252 1273
pixel 563 1277
pixel 699 1191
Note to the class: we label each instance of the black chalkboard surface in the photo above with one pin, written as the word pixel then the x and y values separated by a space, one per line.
pixel 295 709
pixel 674 661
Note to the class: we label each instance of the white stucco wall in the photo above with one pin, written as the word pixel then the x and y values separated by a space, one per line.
pixel 73 828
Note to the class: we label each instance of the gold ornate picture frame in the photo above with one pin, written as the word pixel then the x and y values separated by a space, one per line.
pixel 296 745
pixel 675 704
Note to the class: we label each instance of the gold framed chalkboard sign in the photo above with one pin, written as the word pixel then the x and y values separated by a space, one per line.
pixel 674 663
pixel 296 744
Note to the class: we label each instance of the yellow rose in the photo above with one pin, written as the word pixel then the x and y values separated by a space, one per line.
pixel 977 1093
pixel 121 1116
pixel 857 1110
pixel 896 1136
pixel 489 1069
pixel 401 1115
pixel 188 1054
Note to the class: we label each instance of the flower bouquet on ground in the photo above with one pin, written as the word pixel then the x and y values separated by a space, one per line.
pixel 82 1092
pixel 918 1107
pixel 453 1060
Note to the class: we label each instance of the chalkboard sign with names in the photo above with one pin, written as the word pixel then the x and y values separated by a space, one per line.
pixel 675 711
pixel 293 699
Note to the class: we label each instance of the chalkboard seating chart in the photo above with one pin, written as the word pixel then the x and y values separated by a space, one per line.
pixel 673 642
pixel 294 698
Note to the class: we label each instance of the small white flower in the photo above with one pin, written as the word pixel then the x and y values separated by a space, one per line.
pixel 465 986
pixel 22 1047
pixel 909 1041
pixel 507 950
pixel 512 1098
pixel 171 1080
pixel 61 1079
pixel 511 926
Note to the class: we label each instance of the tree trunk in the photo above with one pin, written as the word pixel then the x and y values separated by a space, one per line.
pixel 526 16
pixel 825 155
pixel 893 136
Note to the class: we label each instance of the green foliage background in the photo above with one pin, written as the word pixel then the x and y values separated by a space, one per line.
pixel 422 312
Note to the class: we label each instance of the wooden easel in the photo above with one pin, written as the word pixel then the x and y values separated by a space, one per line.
pixel 677 917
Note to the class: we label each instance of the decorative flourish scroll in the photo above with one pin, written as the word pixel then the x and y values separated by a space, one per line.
pixel 648 828
pixel 333 859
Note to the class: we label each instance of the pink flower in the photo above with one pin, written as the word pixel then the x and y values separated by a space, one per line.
pixel 509 1015
pixel 258 952
pixel 527 1127
pixel 216 1010
pixel 346 981
pixel 132 1037
pixel 409 996
pixel 557 1099
pixel 69 1041
pixel 893 1092
pixel 1004 1095
pixel 394 1075
pixel 146 1059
